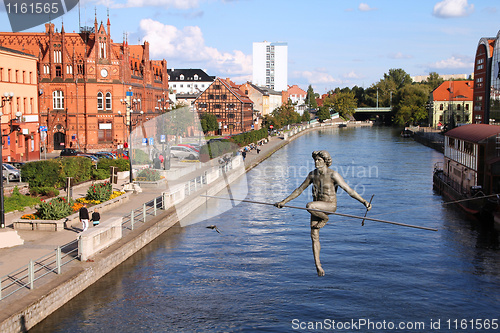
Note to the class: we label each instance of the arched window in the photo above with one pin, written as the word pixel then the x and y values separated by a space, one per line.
pixel 58 99
pixel 108 101
pixel 100 101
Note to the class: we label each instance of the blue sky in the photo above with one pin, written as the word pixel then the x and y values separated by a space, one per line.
pixel 331 43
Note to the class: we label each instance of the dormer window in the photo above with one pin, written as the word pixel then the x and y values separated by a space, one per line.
pixel 196 77
pixel 181 77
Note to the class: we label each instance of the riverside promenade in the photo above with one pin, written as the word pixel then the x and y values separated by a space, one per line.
pixel 24 309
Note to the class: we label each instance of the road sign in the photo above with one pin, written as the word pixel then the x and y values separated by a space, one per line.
pixel 151 141
pixel 162 138
pixel 43 128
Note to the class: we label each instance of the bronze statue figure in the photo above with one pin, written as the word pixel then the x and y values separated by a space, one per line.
pixel 325 182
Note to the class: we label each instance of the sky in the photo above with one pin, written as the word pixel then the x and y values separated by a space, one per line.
pixel 331 43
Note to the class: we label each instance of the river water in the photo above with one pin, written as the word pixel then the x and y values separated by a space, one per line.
pixel 258 275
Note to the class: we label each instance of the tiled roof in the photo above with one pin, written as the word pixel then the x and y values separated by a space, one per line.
pixel 474 132
pixel 189 74
pixel 295 90
pixel 454 90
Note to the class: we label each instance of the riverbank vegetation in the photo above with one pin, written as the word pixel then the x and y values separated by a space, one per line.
pixel 409 100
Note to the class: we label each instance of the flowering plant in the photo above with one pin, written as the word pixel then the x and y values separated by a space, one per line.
pixel 99 192
pixel 55 209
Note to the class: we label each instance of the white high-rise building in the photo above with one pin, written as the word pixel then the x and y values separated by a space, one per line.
pixel 270 65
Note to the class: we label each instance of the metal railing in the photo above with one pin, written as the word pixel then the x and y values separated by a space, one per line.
pixel 25 277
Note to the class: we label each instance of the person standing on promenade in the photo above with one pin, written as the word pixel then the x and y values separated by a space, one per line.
pixel 84 217
pixel 325 182
pixel 96 217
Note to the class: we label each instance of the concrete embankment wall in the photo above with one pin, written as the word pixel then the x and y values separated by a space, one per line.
pixel 69 284
pixel 432 140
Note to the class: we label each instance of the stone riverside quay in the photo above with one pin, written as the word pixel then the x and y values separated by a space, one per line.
pixel 25 308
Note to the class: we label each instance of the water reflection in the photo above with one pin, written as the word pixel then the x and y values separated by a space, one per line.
pixel 258 275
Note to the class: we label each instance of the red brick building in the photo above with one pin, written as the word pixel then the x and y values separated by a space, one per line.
pixel 482 73
pixel 87 83
pixel 233 109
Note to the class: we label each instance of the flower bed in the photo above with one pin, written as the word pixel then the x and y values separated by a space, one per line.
pixel 58 213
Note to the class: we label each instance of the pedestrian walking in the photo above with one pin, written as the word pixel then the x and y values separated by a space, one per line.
pixel 96 217
pixel 84 217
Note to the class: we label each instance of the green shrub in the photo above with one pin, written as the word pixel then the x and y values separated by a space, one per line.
pixel 44 190
pixel 121 163
pixel 42 173
pixel 55 209
pixel 99 192
pixel 77 167
pixel 100 174
pixel 150 175
pixel 18 201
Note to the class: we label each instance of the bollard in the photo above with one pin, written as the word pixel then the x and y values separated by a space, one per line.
pixel 31 274
pixel 132 219
pixel 58 259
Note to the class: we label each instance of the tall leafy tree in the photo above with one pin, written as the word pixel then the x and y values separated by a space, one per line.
pixel 208 122
pixel 306 116
pixel 399 77
pixel 434 80
pixel 343 102
pixel 410 104
pixel 311 98
pixel 323 113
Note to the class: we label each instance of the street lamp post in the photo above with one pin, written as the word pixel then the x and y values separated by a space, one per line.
pixel 128 121
pixel 7 97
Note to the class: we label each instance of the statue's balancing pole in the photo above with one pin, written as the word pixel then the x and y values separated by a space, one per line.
pixel 326 212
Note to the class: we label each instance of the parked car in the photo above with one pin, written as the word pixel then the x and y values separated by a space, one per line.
pixel 17 165
pixel 11 173
pixel 182 152
pixel 197 149
pixel 69 152
pixel 92 157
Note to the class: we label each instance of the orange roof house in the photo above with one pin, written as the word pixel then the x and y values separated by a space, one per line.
pixel 452 103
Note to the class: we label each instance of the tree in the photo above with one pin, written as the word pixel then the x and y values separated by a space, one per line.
pixel 342 102
pixel 434 80
pixel 284 115
pixel 306 116
pixel 208 122
pixel 410 104
pixel 311 98
pixel 323 113
pixel 399 77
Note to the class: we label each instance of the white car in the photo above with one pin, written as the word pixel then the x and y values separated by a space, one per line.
pixel 182 152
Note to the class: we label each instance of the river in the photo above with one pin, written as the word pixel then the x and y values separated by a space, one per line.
pixel 258 274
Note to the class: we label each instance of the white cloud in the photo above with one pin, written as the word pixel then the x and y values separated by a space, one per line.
pixel 188 45
pixel 364 7
pixel 452 8
pixel 351 75
pixel 453 63
pixel 318 76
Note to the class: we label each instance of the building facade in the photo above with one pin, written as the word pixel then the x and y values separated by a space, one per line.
pixel 225 100
pixel 452 103
pixel 19 106
pixel 297 96
pixel 487 81
pixel 188 81
pixel 88 85
pixel 270 65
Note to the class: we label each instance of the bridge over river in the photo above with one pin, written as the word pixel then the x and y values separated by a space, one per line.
pixel 366 113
